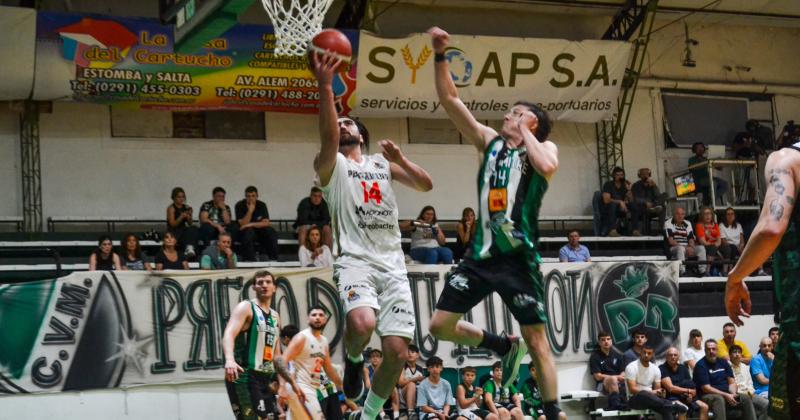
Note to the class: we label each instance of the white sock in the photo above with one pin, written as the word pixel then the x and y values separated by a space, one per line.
pixel 373 406
pixel 396 414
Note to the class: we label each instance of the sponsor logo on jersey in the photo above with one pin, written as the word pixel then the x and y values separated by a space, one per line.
pixel 352 296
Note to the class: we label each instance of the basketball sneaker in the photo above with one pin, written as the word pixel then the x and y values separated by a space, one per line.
pixel 512 360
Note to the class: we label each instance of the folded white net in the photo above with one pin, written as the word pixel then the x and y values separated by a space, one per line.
pixel 295 22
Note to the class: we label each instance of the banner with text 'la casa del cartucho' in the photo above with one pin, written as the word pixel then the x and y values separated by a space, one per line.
pixel 130 62
pixel 573 81
pixel 94 330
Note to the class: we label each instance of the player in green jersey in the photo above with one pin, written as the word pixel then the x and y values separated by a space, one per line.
pixel 503 257
pixel 251 344
pixel 778 234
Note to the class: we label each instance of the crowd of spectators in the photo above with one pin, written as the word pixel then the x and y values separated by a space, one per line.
pixel 719 376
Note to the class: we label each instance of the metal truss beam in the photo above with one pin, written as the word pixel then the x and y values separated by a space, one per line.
pixel 635 15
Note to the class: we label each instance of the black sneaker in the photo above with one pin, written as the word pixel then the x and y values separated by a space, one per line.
pixel 353 380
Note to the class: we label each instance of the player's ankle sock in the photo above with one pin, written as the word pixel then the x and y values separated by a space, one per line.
pixel 372 406
pixel 551 410
pixel 396 414
pixel 496 343
pixel 355 359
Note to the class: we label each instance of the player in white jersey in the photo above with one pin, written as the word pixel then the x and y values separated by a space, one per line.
pixel 370 266
pixel 309 356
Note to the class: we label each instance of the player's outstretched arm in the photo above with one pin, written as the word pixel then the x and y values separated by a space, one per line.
pixel 542 155
pixel 779 203
pixel 405 171
pixel 464 121
pixel 241 314
pixel 331 372
pixel 293 350
pixel 324 69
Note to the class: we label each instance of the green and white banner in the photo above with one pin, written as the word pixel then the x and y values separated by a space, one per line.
pixel 573 81
pixel 93 330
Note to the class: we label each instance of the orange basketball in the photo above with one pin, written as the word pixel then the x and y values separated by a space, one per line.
pixel 335 41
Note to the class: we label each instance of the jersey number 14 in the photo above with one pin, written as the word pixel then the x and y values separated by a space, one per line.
pixel 374 192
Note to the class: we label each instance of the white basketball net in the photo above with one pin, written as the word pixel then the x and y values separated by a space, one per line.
pixel 295 22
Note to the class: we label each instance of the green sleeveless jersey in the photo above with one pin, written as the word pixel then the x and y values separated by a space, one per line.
pixel 510 193
pixel 254 349
pixel 786 280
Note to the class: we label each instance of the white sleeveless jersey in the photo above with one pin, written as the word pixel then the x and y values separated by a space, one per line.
pixel 364 213
pixel 308 365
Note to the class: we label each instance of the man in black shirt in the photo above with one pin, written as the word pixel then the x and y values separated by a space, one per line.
pixel 647 201
pixel 215 217
pixel 616 196
pixel 607 369
pixel 254 226
pixel 675 378
pixel 313 211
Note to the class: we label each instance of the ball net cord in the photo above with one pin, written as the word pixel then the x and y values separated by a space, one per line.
pixel 295 22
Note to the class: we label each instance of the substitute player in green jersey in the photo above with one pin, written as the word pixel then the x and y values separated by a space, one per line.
pixel 778 234
pixel 250 343
pixel 503 257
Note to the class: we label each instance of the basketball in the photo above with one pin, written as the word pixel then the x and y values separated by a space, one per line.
pixel 335 41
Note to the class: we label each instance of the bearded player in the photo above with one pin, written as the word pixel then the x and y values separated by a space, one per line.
pixel 503 256
pixel 309 356
pixel 251 345
pixel 370 266
pixel 778 234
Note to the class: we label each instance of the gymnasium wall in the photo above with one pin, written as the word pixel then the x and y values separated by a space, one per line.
pixel 88 172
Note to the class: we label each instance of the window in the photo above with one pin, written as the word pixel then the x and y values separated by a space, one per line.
pixel 195 124
pixel 713 118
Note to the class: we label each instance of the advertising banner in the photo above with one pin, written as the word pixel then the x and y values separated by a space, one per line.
pixel 93 330
pixel 131 62
pixel 573 81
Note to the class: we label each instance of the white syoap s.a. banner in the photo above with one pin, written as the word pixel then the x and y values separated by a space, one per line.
pixel 573 81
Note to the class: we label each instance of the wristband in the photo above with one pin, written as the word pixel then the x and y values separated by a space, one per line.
pixel 439 57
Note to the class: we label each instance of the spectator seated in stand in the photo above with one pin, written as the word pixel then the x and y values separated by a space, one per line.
pixel 676 379
pixel 216 217
pixel 499 400
pixel 728 340
pixel 181 223
pixel 646 201
pixel 428 244
pixel 700 176
pixel 573 251
pixel 169 257
pixel 744 381
pixel 392 405
pixel 643 380
pixel 716 385
pixel 708 236
pixel 761 367
pixel 694 351
pixel 680 241
pixel 638 340
pixel 532 403
pixel 607 368
pixel 410 378
pixel 616 195
pixel 255 227
pixel 465 231
pixel 732 236
pixel 469 397
pixel 104 258
pixel 313 253
pixel 132 255
pixel 435 395
pixel 789 135
pixel 221 256
pixel 313 211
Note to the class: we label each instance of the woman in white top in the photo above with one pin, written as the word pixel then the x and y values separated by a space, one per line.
pixel 428 244
pixel 732 238
pixel 313 253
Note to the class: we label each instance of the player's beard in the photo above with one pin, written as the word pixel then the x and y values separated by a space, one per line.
pixel 347 139
pixel 317 327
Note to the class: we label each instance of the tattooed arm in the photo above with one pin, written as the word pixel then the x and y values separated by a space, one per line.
pixel 772 223
pixel 292 351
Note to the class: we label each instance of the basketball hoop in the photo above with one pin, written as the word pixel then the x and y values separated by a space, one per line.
pixel 295 23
